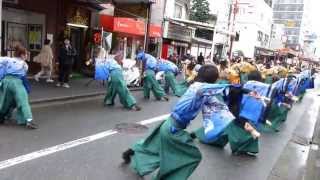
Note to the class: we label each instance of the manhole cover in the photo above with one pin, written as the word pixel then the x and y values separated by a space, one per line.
pixel 131 128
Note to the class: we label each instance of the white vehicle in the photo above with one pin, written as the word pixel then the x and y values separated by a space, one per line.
pixel 160 77
pixel 131 73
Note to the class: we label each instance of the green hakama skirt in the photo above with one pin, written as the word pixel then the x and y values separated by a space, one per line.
pixel 14 95
pixel 117 86
pixel 243 78
pixel 240 140
pixel 277 115
pixel 175 155
pixel 170 82
pixel 151 84
pixel 269 79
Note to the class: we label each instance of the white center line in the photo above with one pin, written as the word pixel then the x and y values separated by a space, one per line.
pixel 71 144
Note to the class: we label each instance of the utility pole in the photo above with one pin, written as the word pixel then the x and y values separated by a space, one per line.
pixel 147 28
pixel 235 11
pixel 214 37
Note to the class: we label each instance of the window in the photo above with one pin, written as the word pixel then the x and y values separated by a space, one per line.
pixel 178 11
pixel 260 36
pixel 266 39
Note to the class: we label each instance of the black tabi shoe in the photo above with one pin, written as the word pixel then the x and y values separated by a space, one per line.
pixel 126 156
pixel 136 108
pixel 166 98
pixel 193 135
pixel 2 120
pixel 31 125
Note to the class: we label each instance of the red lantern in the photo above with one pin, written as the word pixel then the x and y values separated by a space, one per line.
pixel 97 38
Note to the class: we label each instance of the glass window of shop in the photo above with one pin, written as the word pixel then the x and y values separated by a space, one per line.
pixel 129 45
pixel 23 27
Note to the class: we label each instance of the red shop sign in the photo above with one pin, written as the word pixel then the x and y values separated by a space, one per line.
pixel 128 26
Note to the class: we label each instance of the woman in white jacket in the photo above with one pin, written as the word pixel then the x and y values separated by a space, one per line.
pixel 45 59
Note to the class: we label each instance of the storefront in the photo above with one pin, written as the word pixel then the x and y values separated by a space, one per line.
pixel 263 54
pixel 129 34
pixel 30 22
pixel 176 39
pixel 287 55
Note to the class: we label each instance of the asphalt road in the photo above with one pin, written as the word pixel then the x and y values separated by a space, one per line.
pixel 100 159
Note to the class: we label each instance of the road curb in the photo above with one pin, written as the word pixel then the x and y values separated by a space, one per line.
pixel 72 97
pixel 312 171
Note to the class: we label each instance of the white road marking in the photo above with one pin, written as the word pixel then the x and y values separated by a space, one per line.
pixel 71 144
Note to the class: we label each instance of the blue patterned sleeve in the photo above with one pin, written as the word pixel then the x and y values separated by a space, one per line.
pixel 3 64
pixel 191 102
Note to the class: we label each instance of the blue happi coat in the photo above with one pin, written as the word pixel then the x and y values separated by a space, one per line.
pixel 167 66
pixel 303 81
pixel 14 67
pixel 283 89
pixel 253 109
pixel 149 61
pixel 198 96
pixel 103 68
pixel 216 117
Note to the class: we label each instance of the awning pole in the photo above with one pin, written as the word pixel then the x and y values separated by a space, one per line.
pixel 213 43
pixel 214 38
pixel 146 37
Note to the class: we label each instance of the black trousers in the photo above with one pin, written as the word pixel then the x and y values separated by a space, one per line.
pixel 64 72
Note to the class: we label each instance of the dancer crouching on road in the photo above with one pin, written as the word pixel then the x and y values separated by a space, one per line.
pixel 149 81
pixel 106 68
pixel 14 88
pixel 169 147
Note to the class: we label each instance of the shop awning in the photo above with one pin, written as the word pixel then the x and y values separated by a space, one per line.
pixel 201 41
pixel 264 51
pixel 194 24
pixel 201 25
pixel 286 51
pixel 120 1
pixel 129 26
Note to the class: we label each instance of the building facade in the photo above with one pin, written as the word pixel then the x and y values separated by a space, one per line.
pixel 294 15
pixel 253 22
pixel 177 36
pixel 278 37
pixel 30 22
pixel 223 12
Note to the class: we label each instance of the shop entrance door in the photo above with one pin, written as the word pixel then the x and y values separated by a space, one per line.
pixel 76 39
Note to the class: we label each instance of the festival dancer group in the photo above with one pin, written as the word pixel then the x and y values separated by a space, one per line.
pixel 238 102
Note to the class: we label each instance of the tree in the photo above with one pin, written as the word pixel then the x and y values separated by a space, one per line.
pixel 200 11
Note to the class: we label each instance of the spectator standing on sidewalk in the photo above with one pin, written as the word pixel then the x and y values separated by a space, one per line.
pixel 45 59
pixel 200 59
pixel 66 59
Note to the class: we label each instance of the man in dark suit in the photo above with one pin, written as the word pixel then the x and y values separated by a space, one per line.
pixel 66 58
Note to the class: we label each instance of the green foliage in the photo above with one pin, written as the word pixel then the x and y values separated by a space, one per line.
pixel 200 11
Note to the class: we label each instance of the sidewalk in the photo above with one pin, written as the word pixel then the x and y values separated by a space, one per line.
pixel 43 92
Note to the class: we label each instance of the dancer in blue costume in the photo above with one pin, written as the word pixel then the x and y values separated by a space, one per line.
pixel 169 147
pixel 282 102
pixel 149 81
pixel 112 70
pixel 238 131
pixel 14 88
pixel 170 72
